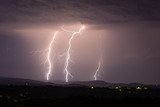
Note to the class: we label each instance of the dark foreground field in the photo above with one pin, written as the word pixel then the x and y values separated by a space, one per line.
pixel 78 95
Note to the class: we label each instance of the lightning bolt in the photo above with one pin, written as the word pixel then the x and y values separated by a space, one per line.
pixel 100 63
pixel 97 73
pixel 49 54
pixel 68 56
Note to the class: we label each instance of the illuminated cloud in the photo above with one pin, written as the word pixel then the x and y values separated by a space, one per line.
pixel 24 12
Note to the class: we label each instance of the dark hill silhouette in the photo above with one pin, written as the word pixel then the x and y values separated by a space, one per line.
pixel 19 81
pixel 111 85
pixel 26 92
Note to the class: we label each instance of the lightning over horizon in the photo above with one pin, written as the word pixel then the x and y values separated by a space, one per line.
pixel 49 55
pixel 100 62
pixel 99 67
pixel 60 41
pixel 68 56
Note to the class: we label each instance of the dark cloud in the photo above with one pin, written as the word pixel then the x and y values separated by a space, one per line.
pixel 85 11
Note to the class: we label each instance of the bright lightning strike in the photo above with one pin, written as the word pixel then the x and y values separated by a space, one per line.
pixel 49 55
pixel 100 63
pixel 97 73
pixel 68 56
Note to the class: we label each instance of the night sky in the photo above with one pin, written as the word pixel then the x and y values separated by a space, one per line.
pixel 129 31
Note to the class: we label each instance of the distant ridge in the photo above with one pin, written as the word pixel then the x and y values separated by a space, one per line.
pixel 29 82
pixel 19 81
pixel 106 84
pixel 91 83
